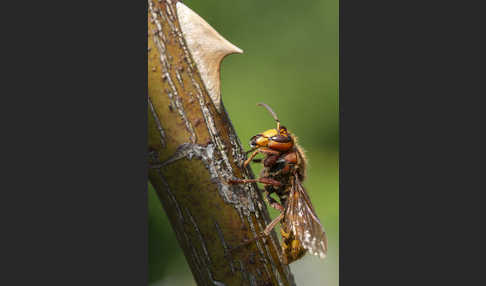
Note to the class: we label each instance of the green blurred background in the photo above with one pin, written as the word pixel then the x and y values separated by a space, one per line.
pixel 290 62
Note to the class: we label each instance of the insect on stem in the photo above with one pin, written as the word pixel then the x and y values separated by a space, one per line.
pixel 282 174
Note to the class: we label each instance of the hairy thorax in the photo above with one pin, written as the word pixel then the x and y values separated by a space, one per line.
pixel 280 168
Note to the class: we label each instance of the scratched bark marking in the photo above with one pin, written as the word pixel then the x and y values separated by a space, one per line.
pixel 201 239
pixel 269 254
pixel 207 155
pixel 206 259
pixel 258 242
pixel 238 154
pixel 240 214
pixel 200 261
pixel 173 95
pixel 181 235
pixel 286 270
pixel 196 262
pixel 190 151
pixel 179 78
pixel 205 110
pixel 209 120
pixel 229 193
pixel 157 122
pixel 244 272
pixel 225 246
pixel 170 195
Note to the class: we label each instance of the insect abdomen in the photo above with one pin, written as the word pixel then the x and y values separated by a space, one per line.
pixel 292 249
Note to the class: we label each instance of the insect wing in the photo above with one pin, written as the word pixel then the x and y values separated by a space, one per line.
pixel 302 220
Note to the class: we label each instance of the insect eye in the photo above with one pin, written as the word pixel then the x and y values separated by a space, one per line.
pixel 254 139
pixel 281 139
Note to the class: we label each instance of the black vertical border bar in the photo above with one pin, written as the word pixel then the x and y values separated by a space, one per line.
pixel 74 192
pixel 411 156
pixel 374 95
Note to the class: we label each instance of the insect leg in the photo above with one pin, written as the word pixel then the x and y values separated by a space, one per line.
pixel 260 150
pixel 272 224
pixel 265 232
pixel 266 181
pixel 274 203
pixel 250 158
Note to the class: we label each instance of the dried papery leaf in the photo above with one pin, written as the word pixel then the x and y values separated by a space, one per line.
pixel 208 48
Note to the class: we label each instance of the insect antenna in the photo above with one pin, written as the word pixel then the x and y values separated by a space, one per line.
pixel 274 115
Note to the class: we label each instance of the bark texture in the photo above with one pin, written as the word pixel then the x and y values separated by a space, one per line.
pixel 200 151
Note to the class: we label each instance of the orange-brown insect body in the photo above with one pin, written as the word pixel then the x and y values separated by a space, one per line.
pixel 283 172
pixel 281 167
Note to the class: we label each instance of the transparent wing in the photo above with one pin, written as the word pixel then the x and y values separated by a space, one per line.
pixel 302 220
